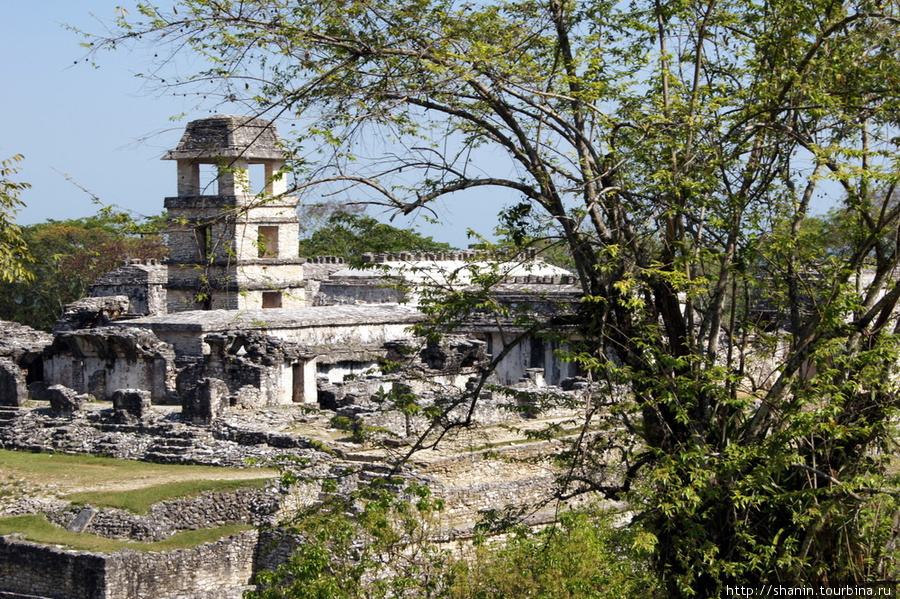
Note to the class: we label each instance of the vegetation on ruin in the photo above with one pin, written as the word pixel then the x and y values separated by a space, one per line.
pixel 65 257
pixel 38 529
pixel 376 545
pixel 13 249
pixel 586 555
pixel 380 544
pixel 745 377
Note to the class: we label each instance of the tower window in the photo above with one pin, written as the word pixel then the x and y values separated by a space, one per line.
pixel 208 179
pixel 257 179
pixel 271 299
pixel 268 242
pixel 204 241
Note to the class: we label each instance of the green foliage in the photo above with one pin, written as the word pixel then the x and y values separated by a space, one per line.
pixel 378 550
pixel 746 366
pixel 584 556
pixel 65 257
pixel 349 236
pixel 13 246
pixel 521 229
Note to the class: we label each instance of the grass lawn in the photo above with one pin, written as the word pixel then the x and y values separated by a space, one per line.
pixel 62 474
pixel 108 482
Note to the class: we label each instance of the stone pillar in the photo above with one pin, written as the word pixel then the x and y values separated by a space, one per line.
pixel 188 178
pixel 64 401
pixel 310 389
pixel 13 389
pixel 207 400
pixel 234 178
pixel 275 186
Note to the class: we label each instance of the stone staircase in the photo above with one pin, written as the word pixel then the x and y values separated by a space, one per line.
pixel 184 446
pixel 8 415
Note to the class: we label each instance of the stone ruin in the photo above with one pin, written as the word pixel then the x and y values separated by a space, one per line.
pixel 99 361
pixel 217 355
pixel 21 361
pixel 234 319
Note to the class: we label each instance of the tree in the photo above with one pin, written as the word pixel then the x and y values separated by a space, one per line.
pixel 678 148
pixel 375 547
pixel 351 235
pixel 13 251
pixel 67 256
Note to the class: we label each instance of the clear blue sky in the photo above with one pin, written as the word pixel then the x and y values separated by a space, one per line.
pixel 103 129
pixel 75 120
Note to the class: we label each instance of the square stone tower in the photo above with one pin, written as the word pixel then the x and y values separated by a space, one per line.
pixel 233 240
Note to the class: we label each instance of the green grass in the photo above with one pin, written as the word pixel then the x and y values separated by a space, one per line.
pixel 72 473
pixel 39 530
pixel 139 501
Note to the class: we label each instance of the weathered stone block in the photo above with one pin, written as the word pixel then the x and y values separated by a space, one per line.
pixel 13 390
pixel 82 520
pixel 90 312
pixel 97 383
pixel 131 404
pixel 38 390
pixel 207 400
pixel 65 401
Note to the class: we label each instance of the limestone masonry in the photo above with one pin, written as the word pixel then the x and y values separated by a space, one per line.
pixel 236 349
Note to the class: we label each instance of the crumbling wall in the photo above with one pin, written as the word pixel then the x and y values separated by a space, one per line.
pixel 436 373
pixel 256 370
pixel 13 389
pixel 220 570
pixel 21 363
pixel 91 312
pixel 209 510
pixel 143 282
pixel 102 360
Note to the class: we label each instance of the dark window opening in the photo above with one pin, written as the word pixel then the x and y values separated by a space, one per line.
pixel 537 353
pixel 297 394
pixel 204 241
pixel 34 369
pixel 271 299
pixel 267 242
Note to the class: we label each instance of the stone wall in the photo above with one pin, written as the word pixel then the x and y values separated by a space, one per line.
pixel 102 360
pixel 33 569
pixel 142 281
pixel 210 510
pixel 220 570
pixel 20 360
pixel 350 291
pixel 157 439
pixel 492 479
